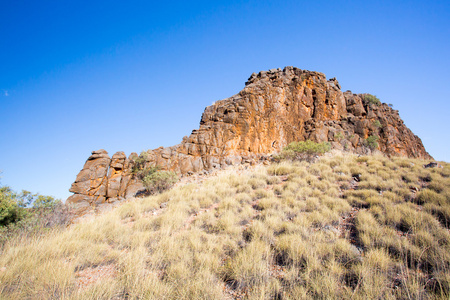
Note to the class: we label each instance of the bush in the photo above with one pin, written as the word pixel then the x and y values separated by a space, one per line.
pixel 17 206
pixel 24 213
pixel 139 162
pixel 139 168
pixel 153 179
pixel 371 99
pixel 141 174
pixel 377 124
pixel 339 136
pixel 159 181
pixel 304 150
pixel 372 142
pixel 10 211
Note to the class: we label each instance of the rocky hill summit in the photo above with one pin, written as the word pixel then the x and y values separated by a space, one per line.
pixel 275 108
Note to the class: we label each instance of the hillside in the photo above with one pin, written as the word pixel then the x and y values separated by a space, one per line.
pixel 275 108
pixel 343 227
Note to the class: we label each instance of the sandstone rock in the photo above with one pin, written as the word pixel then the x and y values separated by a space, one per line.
pixel 79 204
pixel 115 173
pixel 354 104
pixel 79 199
pixel 92 181
pixel 276 107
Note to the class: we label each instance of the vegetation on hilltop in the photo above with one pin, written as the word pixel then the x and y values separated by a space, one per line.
pixel 26 213
pixel 154 179
pixel 343 227
pixel 371 99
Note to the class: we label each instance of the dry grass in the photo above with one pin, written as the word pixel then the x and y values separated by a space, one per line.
pixel 344 227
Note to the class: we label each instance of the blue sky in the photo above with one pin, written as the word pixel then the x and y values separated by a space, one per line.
pixel 77 76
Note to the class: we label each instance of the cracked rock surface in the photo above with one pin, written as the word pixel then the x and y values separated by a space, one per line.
pixel 275 108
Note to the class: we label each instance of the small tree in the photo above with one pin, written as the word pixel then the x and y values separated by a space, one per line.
pixel 139 168
pixel 23 211
pixel 10 211
pixel 139 162
pixel 372 142
pixel 44 202
pixel 371 99
pixel 159 181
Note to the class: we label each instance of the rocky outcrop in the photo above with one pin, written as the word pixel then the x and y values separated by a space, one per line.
pixel 276 107
pixel 91 183
pixel 104 179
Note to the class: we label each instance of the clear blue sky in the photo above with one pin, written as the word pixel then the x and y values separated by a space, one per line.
pixel 77 76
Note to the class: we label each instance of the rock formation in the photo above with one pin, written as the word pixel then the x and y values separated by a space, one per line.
pixel 276 107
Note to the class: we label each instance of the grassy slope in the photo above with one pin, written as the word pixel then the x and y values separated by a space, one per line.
pixel 285 231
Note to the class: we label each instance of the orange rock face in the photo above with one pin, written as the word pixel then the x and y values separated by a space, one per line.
pixel 275 108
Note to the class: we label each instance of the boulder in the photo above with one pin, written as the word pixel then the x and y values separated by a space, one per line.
pixel 116 170
pixel 91 182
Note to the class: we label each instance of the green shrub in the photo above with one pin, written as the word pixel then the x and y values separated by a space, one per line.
pixel 141 174
pixel 371 99
pixel 139 162
pixel 10 211
pixel 45 202
pixel 139 168
pixel 16 206
pixel 309 147
pixel 339 136
pixel 372 142
pixel 377 124
pixel 24 213
pixel 304 150
pixel 159 181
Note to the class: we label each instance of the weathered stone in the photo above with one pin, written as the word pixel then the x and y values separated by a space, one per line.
pixel 115 175
pixel 134 187
pixel 117 160
pixel 91 182
pixel 98 154
pixel 275 108
pixel 354 104
pixel 99 200
pixel 79 199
